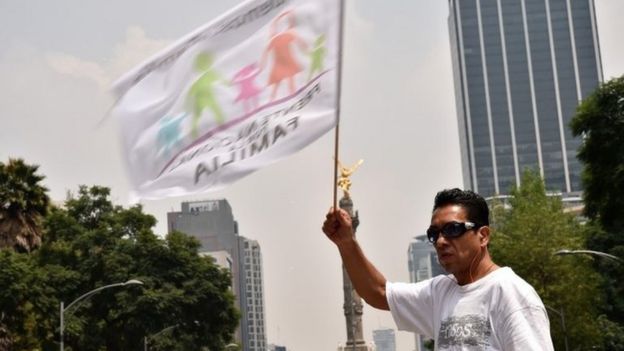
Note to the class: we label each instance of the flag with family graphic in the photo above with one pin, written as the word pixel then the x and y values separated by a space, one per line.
pixel 254 86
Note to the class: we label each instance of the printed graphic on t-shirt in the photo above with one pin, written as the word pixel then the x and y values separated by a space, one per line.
pixel 470 331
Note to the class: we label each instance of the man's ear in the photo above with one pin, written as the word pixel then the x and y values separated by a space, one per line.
pixel 484 235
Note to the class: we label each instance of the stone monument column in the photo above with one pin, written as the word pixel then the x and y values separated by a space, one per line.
pixel 352 301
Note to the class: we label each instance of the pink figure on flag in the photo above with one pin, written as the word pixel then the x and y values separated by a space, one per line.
pixel 248 92
pixel 284 64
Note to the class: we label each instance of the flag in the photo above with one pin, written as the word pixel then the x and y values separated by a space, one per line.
pixel 250 88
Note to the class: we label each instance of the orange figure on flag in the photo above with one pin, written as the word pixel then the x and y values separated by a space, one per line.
pixel 284 64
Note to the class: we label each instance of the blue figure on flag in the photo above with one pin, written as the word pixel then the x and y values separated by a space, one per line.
pixel 169 134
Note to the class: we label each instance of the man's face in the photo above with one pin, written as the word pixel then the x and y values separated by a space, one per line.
pixel 455 255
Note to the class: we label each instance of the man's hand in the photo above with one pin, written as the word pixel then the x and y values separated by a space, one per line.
pixel 338 226
pixel 369 283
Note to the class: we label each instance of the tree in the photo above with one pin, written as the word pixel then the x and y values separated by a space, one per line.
pixel 526 236
pixel 22 296
pixel 101 244
pixel 13 280
pixel 613 339
pixel 90 243
pixel 600 120
pixel 23 204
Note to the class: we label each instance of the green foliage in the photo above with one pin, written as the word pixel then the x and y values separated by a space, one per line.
pixel 600 120
pixel 525 238
pixel 23 203
pixel 91 243
pixel 613 339
pixel 612 272
pixel 14 283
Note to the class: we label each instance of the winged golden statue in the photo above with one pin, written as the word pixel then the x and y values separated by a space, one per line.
pixel 345 173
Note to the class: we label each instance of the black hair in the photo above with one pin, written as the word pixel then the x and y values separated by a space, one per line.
pixel 474 204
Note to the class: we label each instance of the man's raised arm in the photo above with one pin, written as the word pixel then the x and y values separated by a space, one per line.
pixel 369 283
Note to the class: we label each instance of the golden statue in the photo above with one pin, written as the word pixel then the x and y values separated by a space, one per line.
pixel 345 172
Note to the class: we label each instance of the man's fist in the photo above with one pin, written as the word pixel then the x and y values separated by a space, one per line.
pixel 338 226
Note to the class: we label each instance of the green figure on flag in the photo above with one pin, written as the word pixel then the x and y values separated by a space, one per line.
pixel 317 55
pixel 201 94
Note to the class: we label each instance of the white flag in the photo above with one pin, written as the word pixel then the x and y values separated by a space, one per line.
pixel 254 86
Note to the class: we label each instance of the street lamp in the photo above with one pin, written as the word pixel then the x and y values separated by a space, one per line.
pixel 562 317
pixel 87 295
pixel 589 252
pixel 146 338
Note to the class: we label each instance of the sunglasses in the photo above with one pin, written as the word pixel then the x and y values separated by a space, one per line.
pixel 450 230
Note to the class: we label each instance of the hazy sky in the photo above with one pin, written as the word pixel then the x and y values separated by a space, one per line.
pixel 58 58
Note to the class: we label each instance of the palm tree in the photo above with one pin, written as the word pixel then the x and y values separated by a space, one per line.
pixel 23 204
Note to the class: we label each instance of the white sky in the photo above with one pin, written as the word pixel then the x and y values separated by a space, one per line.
pixel 57 59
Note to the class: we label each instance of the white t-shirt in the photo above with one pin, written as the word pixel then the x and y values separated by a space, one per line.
pixel 500 311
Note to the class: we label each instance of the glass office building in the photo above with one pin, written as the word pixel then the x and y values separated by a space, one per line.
pixel 422 264
pixel 520 70
pixel 213 224
pixel 384 340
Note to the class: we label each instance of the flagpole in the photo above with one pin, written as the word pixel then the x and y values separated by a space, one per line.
pixel 336 142
pixel 338 96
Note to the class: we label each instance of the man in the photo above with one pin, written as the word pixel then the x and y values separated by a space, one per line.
pixel 478 306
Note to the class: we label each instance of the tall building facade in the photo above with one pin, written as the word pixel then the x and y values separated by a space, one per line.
pixel 422 264
pixel 384 340
pixel 422 260
pixel 254 296
pixel 520 69
pixel 213 224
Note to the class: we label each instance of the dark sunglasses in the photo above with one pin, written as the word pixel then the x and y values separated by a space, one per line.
pixel 450 230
